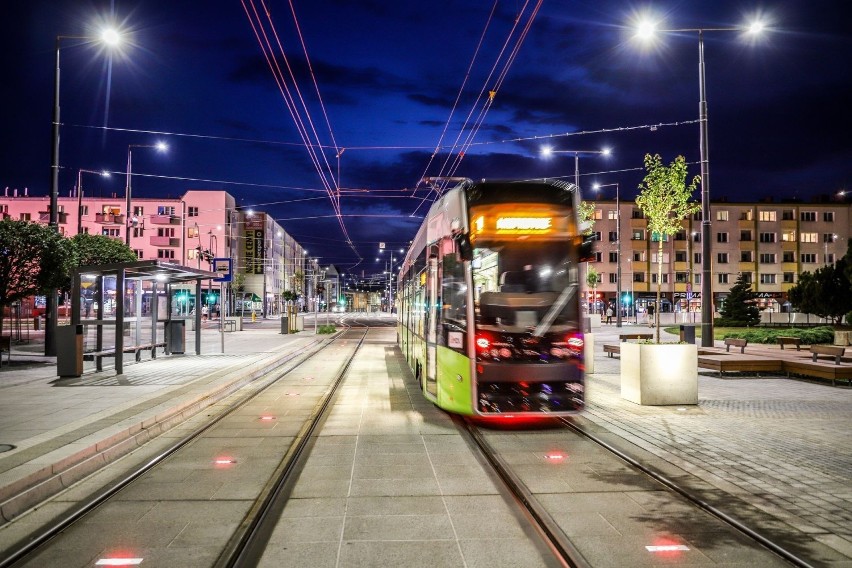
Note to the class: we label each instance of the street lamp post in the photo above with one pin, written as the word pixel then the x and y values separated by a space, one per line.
pixel 646 30
pixel 80 173
pixel 547 151
pixel 110 37
pixel 617 251
pixel 161 147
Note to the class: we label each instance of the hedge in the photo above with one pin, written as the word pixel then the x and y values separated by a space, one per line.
pixel 808 335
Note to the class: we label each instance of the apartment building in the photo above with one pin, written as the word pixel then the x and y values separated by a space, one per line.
pixel 187 230
pixel 770 243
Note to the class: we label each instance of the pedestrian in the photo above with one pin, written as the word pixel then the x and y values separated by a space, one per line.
pixel 651 310
pixel 609 314
pixel 204 312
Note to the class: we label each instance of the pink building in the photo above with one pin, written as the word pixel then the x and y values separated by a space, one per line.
pixel 186 231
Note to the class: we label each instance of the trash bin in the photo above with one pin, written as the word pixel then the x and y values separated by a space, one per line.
pixel 69 350
pixel 687 333
pixel 285 325
pixel 300 323
pixel 175 336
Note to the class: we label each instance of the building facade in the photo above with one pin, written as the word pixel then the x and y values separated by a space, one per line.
pixel 191 231
pixel 770 243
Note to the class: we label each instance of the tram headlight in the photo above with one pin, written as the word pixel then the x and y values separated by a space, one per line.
pixel 483 343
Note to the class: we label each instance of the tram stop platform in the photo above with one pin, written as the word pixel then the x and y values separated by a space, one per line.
pixel 773 447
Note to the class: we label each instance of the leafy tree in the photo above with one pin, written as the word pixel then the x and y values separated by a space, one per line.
pixel 592 281
pixel 587 215
pixel 34 258
pixel 664 198
pixel 93 250
pixel 827 292
pixel 739 309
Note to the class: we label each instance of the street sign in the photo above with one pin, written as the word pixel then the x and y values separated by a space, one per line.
pixel 222 266
pixel 381 245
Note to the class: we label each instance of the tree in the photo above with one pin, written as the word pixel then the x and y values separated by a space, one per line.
pixel 93 250
pixel 592 281
pixel 587 216
pixel 664 198
pixel 34 259
pixel 827 292
pixel 739 308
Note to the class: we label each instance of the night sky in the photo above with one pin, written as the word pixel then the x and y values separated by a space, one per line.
pixel 405 92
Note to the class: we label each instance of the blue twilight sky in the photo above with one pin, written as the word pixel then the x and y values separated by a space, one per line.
pixel 405 90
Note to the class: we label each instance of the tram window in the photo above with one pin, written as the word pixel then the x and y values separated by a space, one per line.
pixel 453 288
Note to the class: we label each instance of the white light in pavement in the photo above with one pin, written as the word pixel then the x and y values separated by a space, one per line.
pixel 119 562
pixel 224 461
pixel 667 548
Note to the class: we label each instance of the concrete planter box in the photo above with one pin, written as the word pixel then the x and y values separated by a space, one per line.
pixel 595 321
pixel 659 374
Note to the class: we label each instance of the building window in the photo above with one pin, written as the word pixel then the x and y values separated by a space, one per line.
pixel 697 258
pixel 107 232
pixel 139 231
pixel 613 256
pixel 638 235
pixel 638 276
pixel 697 278
pixel 598 258
pixel 789 236
pixel 165 253
pixel 596 235
pixel 165 210
pixel 665 258
pixel 680 256
pixel 789 277
pixel 723 278
pixel 25 217
pixel 746 277
pixel 680 235
pixel 722 258
pixel 787 215
pixel 747 215
pixel 768 258
pixel 85 211
pixel 613 236
pixel 637 214
pixel 613 278
pixel 767 279
pixel 721 215
pixel 828 237
pixel 828 216
pixel 829 258
pixel 808 216
pixel 681 277
pixel 192 211
pixel 138 211
pixel 721 237
pixel 788 256
pixel 654 278
pixel 612 215
pixel 766 215
pixel 597 215
pixel 745 235
pixel 746 256
pixel 808 237
pixel 165 232
pixel 192 254
pixel 767 237
pixel 809 258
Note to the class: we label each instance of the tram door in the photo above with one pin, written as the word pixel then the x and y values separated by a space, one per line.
pixel 432 301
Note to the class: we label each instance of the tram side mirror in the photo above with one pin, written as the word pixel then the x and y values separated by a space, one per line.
pixel 587 250
pixel 463 242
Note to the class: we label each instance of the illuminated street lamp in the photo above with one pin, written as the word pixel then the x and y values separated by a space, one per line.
pixel 160 147
pixel 598 186
pixel 646 30
pixel 547 151
pixel 109 37
pixel 80 173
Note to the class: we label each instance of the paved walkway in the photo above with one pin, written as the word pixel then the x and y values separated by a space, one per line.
pixel 776 445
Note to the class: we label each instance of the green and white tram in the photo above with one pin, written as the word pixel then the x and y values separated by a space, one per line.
pixel 489 307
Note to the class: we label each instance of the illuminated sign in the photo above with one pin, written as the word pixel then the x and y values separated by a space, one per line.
pixel 524 224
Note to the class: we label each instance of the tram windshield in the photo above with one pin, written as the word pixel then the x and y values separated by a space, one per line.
pixel 519 286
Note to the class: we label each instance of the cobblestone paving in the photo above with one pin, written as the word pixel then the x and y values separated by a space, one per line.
pixel 776 443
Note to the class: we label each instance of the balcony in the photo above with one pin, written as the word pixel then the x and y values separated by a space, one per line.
pixel 165 220
pixel 165 241
pixel 61 217
pixel 109 219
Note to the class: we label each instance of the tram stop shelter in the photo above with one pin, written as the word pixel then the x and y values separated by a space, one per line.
pixel 116 309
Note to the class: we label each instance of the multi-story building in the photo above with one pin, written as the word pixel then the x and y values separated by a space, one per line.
pixel 770 243
pixel 190 230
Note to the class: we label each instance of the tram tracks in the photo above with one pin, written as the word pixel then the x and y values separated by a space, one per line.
pixel 549 528
pixel 242 548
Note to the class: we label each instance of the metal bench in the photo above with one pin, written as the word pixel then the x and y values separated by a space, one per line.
pixel 784 340
pixel 741 343
pixel 835 351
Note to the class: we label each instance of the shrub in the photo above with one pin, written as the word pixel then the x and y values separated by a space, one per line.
pixel 326 329
pixel 809 335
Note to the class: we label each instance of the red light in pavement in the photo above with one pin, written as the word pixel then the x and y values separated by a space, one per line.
pixel 555 456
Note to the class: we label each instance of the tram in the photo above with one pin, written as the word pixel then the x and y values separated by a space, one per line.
pixel 489 306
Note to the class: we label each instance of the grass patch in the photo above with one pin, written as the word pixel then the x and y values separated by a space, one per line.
pixel 768 335
pixel 326 329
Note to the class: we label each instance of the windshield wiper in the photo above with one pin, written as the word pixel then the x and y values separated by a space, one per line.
pixel 557 306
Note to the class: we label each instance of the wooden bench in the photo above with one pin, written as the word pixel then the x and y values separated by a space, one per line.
pixel 6 345
pixel 610 349
pixel 741 343
pixel 724 363
pixel 626 336
pixel 783 340
pixel 835 351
